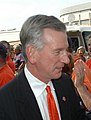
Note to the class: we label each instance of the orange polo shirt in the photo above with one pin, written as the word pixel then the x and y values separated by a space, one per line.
pixel 10 63
pixel 88 62
pixel 6 74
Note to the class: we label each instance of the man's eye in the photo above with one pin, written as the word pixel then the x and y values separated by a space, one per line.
pixel 57 52
pixel 89 44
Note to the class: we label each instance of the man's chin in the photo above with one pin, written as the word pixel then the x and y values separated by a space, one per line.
pixel 58 75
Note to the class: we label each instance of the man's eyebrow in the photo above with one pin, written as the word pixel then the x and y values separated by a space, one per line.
pixel 58 49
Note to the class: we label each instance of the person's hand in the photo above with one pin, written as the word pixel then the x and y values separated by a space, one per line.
pixel 79 72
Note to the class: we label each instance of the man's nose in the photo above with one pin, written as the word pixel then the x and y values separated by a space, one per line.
pixel 65 58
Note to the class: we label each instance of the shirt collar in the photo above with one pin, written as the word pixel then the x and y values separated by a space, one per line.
pixel 36 85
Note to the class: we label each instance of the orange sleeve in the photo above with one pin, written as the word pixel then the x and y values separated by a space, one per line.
pixel 88 63
pixel 87 72
pixel 6 74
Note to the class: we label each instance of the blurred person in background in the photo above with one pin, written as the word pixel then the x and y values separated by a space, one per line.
pixel 18 58
pixel 6 74
pixel 79 54
pixel 89 46
pixel 8 58
pixel 88 61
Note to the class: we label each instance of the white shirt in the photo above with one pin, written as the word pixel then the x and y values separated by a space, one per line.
pixel 39 89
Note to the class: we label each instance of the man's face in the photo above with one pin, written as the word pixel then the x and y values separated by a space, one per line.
pixel 81 51
pixel 51 59
pixel 17 51
pixel 89 46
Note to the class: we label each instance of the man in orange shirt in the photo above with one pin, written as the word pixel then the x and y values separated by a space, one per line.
pixel 6 74
pixel 8 58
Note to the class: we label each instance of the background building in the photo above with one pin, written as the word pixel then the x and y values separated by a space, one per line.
pixel 11 36
pixel 77 15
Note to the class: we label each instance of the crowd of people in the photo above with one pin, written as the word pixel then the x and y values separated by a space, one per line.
pixel 9 67
pixel 44 69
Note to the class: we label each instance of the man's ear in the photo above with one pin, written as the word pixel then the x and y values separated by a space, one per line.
pixel 30 52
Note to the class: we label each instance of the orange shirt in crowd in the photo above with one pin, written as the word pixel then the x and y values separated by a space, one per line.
pixel 6 74
pixel 10 63
pixel 87 79
pixel 88 62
